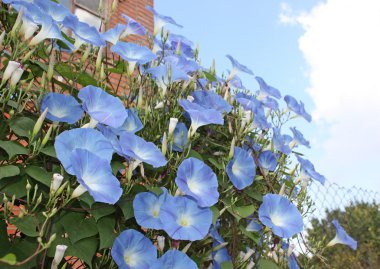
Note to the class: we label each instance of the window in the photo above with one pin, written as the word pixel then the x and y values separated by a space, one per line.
pixel 85 10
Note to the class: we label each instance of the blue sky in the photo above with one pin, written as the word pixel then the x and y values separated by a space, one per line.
pixel 318 51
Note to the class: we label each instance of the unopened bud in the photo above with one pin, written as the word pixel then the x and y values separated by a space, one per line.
pixel 28 55
pixel 40 121
pixel 232 148
pixel 159 105
pixel 248 254
pixel 11 67
pixel 2 35
pixel 290 249
pixel 50 71
pixel 172 124
pixel 282 190
pixel 28 186
pixel 58 256
pixel 56 183
pixel 99 59
pixel 114 5
pixel 161 242
pixel 47 136
pixel 16 76
pixel 86 54
pixel 187 247
pixel 164 144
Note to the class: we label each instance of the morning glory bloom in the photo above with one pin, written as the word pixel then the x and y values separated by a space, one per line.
pixel 308 171
pixel 133 27
pixel 183 219
pixel 132 123
pixel 82 138
pixel 281 142
pixel 266 90
pixel 161 74
pixel 102 107
pixel 281 215
pixel 342 237
pixel 84 33
pixel 236 82
pixel 196 179
pixel 182 43
pixel 211 100
pixel 298 138
pixel 133 54
pixel 160 20
pixel 200 116
pixel 113 35
pixel 270 103
pixel 251 103
pixel 179 137
pixel 299 109
pixel 174 259
pixel 132 250
pixel 236 66
pixel 182 63
pixel 221 255
pixel 62 108
pixel 241 170
pixel 268 160
pixel 137 148
pixel 95 175
pixel 147 206
pixel 254 226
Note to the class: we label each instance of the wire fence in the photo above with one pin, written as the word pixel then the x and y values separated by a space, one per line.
pixel 331 196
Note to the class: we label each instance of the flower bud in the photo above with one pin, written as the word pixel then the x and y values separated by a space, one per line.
pixel 161 242
pixel 50 71
pixel 159 105
pixel 40 121
pixel 56 183
pixel 248 254
pixel 164 144
pixel 16 75
pixel 99 59
pixel 232 148
pixel 114 5
pixel 11 67
pixel 186 248
pixel 47 136
pixel 282 190
pixel 172 124
pixel 290 249
pixel 190 98
pixel 58 256
pixel 250 265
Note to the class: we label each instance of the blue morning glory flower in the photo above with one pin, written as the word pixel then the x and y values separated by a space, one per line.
pixel 200 116
pixel 254 226
pixel 147 207
pixel 308 171
pixel 55 10
pixel 174 259
pixel 179 137
pixel 95 175
pixel 132 123
pixel 281 142
pixel 83 32
pixel 161 74
pixel 132 52
pixel 270 103
pixel 62 108
pixel 211 100
pixel 137 148
pixel 267 90
pixel 161 20
pixel 298 138
pixel 241 170
pixel 238 66
pixel 281 215
pixel 132 250
pixel 196 179
pixel 251 103
pixel 133 27
pixel 102 107
pixel 236 82
pixel 299 109
pixel 342 237
pixel 268 160
pixel 113 35
pixel 82 138
pixel 183 219
pixel 185 45
pixel 182 63
pixel 221 255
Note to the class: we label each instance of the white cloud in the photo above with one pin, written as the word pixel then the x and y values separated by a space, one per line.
pixel 341 45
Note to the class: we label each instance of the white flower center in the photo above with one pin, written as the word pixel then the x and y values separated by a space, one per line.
pixel 277 220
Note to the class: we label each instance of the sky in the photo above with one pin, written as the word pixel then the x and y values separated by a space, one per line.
pixel 326 53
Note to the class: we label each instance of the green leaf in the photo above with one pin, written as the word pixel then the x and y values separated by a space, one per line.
pixel 13 148
pixel 22 126
pixel 9 259
pixel 209 76
pixel 255 195
pixel 253 236
pixel 266 264
pixel 87 198
pixel 84 249
pixel 77 226
pixel 14 186
pixel 26 224
pixel 215 214
pixel 106 228
pixel 156 190
pixel 22 248
pixel 116 166
pixel 126 205
pixel 99 210
pixel 245 211
pixel 4 242
pixel 82 78
pixel 195 154
pixel 226 265
pixel 216 163
pixel 39 174
pixel 49 151
pixel 9 171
